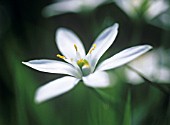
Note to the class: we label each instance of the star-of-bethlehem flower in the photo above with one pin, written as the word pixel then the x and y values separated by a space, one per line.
pixel 74 6
pixel 148 8
pixel 81 66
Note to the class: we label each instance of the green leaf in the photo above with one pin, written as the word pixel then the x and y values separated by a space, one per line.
pixel 127 111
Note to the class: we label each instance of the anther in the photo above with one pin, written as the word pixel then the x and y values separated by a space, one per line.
pixel 92 49
pixel 76 48
pixel 60 56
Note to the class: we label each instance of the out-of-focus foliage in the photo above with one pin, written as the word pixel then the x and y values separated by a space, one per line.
pixel 25 34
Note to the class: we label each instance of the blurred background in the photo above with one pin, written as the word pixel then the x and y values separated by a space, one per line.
pixel 27 31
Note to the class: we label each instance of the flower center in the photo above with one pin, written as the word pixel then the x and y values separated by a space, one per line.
pixel 82 63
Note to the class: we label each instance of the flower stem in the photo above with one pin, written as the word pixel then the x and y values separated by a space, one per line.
pixel 103 96
pixel 156 85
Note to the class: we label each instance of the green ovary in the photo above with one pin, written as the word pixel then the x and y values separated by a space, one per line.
pixel 82 62
pixel 85 67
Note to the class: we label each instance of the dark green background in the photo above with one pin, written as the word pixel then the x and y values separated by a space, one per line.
pixel 25 34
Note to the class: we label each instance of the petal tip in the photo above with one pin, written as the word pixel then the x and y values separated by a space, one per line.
pixel 148 47
pixel 116 25
pixel 61 29
pixel 25 63
pixel 37 100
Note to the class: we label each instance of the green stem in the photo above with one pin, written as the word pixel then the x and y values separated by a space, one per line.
pixel 103 96
pixel 107 99
pixel 127 110
pixel 156 85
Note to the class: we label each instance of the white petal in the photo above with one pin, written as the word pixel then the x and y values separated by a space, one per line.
pixel 65 6
pixel 65 40
pixel 147 64
pixel 157 7
pixel 62 7
pixel 55 88
pixel 98 79
pixel 163 75
pixel 133 77
pixel 52 66
pixel 123 57
pixel 103 42
pixel 92 4
pixel 150 65
pixel 128 6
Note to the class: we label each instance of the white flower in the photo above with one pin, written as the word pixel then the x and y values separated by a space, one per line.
pixel 149 8
pixel 75 6
pixel 152 65
pixel 81 66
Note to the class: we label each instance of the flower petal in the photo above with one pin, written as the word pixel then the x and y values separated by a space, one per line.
pixel 55 88
pixel 156 8
pixel 75 6
pixel 62 7
pixel 65 40
pixel 123 57
pixel 103 42
pixel 98 79
pixel 127 6
pixel 52 66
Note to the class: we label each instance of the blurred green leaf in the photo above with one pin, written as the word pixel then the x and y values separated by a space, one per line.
pixel 127 110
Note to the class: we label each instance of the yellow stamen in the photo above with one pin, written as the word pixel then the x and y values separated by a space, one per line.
pixel 60 56
pixel 75 46
pixel 92 49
